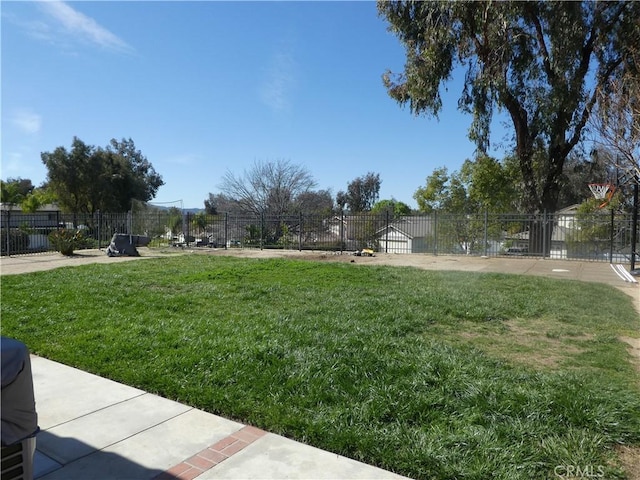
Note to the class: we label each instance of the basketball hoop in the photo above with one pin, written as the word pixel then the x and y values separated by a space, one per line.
pixel 602 191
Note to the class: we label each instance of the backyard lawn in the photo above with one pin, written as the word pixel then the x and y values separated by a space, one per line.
pixel 433 375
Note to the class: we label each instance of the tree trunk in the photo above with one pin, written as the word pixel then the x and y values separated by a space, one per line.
pixel 540 234
pixel 541 228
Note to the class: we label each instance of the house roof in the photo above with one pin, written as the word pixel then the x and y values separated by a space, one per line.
pixel 412 227
pixel 570 210
pixel 49 207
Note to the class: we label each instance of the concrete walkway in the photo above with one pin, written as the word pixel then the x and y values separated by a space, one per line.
pixel 93 428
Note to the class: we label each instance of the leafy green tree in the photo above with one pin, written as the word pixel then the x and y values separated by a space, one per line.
pixel 361 195
pixel 132 175
pixel 481 185
pixel 541 62
pixel 86 179
pixel 15 190
pixel 443 192
pixel 70 175
pixel 447 194
pixel 435 195
pixel 38 197
pixel 396 208
pixel 462 198
pixel 491 185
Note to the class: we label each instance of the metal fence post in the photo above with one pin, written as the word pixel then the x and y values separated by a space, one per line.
pixel 611 236
pixel 341 231
pixel 300 234
pixel 386 239
pixel 226 229
pixel 185 227
pixel 99 228
pixel 486 231
pixel 435 232
pixel 9 233
pixel 634 226
pixel 261 228
pixel 544 234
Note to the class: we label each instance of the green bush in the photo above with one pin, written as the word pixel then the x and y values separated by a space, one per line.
pixel 18 242
pixel 66 241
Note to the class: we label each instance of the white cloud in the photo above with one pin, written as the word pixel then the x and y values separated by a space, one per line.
pixel 275 92
pixel 27 122
pixel 79 26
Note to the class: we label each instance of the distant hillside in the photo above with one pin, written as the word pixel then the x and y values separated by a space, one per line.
pixel 185 210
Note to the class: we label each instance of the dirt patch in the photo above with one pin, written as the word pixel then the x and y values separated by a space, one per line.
pixel 540 347
pixel 526 344
pixel 18 264
pixel 630 459
pixel 634 343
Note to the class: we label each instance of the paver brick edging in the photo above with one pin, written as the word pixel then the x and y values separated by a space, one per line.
pixel 212 455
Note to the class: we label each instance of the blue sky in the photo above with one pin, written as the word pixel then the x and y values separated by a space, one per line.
pixel 208 87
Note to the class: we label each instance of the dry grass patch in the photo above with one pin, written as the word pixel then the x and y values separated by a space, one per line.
pixel 629 457
pixel 634 343
pixel 534 343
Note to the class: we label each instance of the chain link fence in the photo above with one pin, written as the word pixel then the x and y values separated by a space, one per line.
pixel 601 236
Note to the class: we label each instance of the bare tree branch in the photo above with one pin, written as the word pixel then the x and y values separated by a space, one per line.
pixel 616 119
pixel 268 187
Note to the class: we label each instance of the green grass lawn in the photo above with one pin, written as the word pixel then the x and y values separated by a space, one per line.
pixel 428 374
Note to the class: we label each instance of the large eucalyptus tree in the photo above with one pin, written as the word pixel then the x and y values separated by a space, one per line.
pixel 542 62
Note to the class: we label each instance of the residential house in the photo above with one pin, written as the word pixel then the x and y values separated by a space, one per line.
pixel 412 234
pixel 38 225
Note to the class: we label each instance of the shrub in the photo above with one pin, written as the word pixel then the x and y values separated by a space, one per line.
pixel 66 241
pixel 18 242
